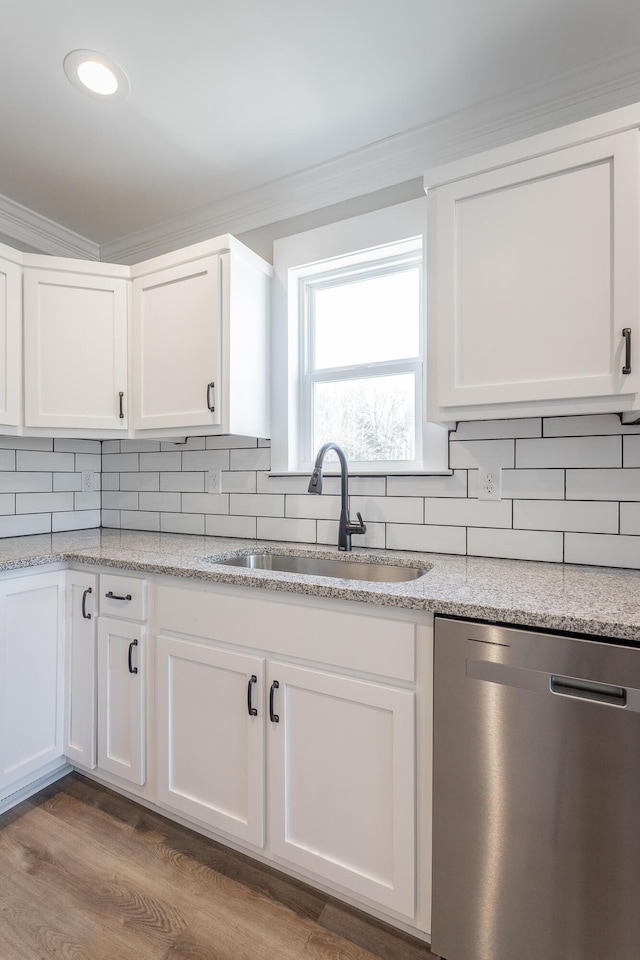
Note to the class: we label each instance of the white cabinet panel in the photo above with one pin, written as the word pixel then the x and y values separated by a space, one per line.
pixel 80 672
pixel 210 750
pixel 121 699
pixel 342 782
pixel 10 344
pixel 31 681
pixel 532 272
pixel 75 350
pixel 177 331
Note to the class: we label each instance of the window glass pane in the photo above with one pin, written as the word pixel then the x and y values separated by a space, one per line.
pixel 368 320
pixel 372 418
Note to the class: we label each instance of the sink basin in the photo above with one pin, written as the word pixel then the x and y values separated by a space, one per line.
pixel 321 567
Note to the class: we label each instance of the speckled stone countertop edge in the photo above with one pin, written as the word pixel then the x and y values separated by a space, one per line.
pixel 591 601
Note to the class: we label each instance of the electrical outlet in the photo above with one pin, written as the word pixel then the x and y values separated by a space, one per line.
pixel 490 483
pixel 214 480
pixel 88 481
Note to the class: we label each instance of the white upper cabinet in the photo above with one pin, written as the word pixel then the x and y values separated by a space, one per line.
pixel 532 270
pixel 75 338
pixel 11 343
pixel 201 336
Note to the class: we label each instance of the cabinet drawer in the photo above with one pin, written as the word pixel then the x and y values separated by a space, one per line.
pixel 356 641
pixel 123 597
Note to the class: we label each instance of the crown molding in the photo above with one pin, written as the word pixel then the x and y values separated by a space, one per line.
pixel 25 226
pixel 579 94
pixel 602 86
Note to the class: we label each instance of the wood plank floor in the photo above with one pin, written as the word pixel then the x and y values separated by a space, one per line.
pixel 88 875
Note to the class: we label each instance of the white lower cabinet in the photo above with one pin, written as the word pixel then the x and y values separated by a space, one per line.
pixel 342 781
pixel 81 695
pixel 210 736
pixel 31 675
pixel 121 699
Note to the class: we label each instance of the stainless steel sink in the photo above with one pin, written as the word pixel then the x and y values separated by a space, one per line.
pixel 321 567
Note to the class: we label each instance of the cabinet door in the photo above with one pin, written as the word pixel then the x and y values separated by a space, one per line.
pixel 210 747
pixel 31 674
pixel 532 273
pixel 10 344
pixel 177 331
pixel 121 699
pixel 75 351
pixel 80 672
pixel 341 800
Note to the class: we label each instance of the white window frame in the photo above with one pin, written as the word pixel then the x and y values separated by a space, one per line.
pixel 297 261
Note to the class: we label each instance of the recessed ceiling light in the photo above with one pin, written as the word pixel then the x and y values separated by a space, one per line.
pixel 96 75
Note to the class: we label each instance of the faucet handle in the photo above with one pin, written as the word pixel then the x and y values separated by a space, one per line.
pixel 359 527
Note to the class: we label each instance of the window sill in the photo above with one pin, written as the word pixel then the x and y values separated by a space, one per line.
pixel 364 473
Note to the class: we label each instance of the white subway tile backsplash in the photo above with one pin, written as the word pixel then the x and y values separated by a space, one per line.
pixel 7 460
pixel 631 451
pixel 316 508
pixel 268 484
pixel 61 445
pixel 603 484
pixel 452 486
pixel 183 482
pixel 225 526
pixel 256 504
pixel 64 481
pixel 139 481
pixel 43 502
pixel 432 539
pixel 498 429
pixel 153 500
pixel 279 528
pixel 190 443
pixel 598 425
pixel 75 520
pixel 602 550
pixel 140 446
pixel 230 442
pixel 25 524
pixel 119 500
pixel 590 517
pixel 26 443
pixel 467 513
pixel 570 452
pixel 27 482
pixel 110 518
pixel 139 520
pixel 110 481
pixel 7 503
pixel 472 454
pixel 258 459
pixel 239 481
pixel 388 509
pixel 204 460
pixel 89 461
pixel 110 446
pixel 205 503
pixel 160 461
pixel 182 523
pixel 86 501
pixel 51 462
pixel 515 544
pixel 121 462
pixel 630 518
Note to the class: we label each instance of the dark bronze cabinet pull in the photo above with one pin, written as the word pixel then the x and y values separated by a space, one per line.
pixel 210 389
pixel 114 596
pixel 626 333
pixel 132 669
pixel 252 710
pixel 272 692
pixel 121 401
pixel 87 616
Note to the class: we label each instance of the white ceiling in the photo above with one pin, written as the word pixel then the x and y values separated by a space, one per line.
pixel 227 97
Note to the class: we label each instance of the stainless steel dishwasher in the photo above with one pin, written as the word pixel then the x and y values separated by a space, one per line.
pixel 536 796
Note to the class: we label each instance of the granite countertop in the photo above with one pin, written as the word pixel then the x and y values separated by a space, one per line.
pixel 600 601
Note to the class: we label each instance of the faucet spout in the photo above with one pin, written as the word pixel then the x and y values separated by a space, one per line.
pixel 347 527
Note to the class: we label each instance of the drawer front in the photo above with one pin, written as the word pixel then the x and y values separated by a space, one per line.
pixel 123 596
pixel 355 641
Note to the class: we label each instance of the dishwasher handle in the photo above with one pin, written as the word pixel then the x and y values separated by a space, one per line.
pixel 587 690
